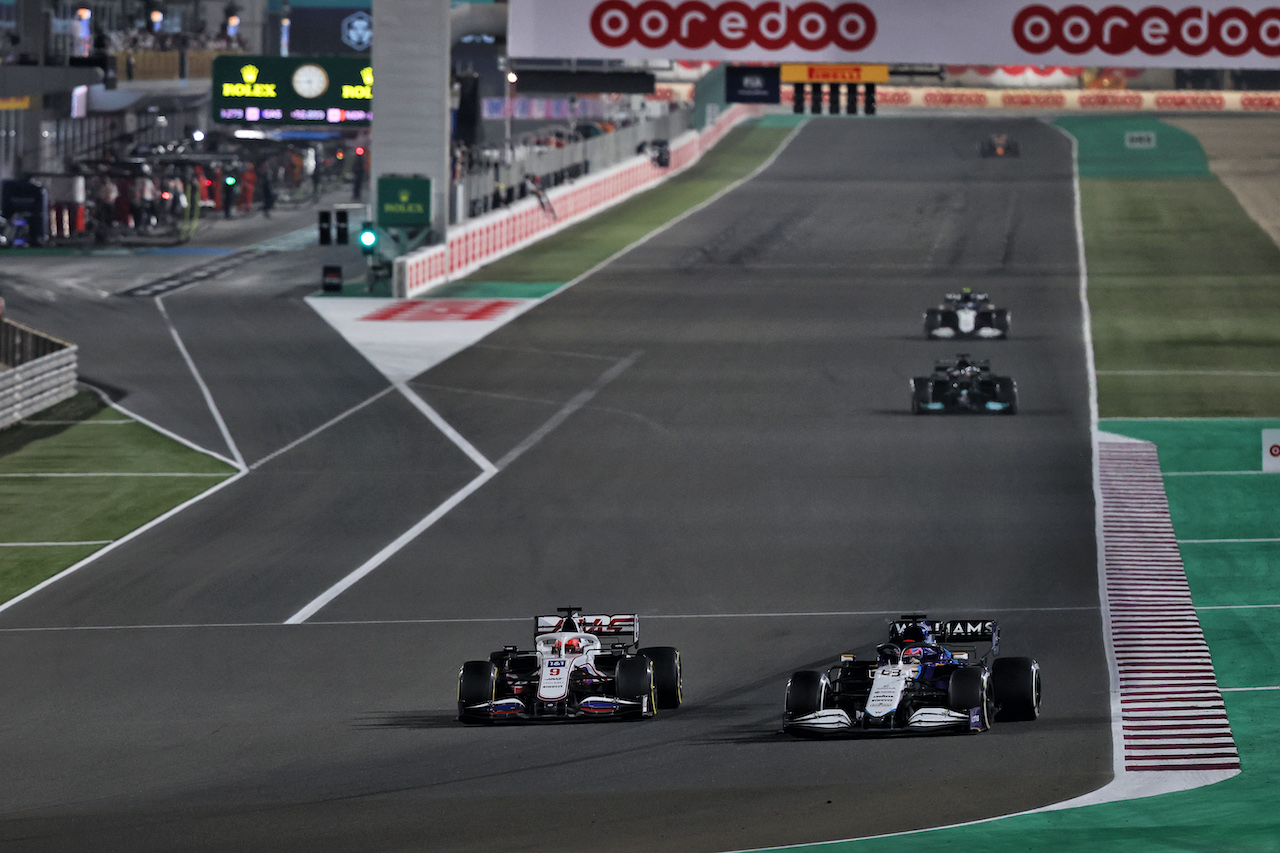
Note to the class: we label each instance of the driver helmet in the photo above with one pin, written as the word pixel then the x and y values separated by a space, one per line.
pixel 917 633
pixel 573 646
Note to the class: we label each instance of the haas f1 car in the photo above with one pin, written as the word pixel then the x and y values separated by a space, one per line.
pixel 966 315
pixel 962 384
pixel 927 678
pixel 569 673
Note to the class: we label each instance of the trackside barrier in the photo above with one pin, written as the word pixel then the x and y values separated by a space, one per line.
pixel 36 371
pixel 487 238
pixel 1105 100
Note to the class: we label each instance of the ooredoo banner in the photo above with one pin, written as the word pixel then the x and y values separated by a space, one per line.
pixel 1239 34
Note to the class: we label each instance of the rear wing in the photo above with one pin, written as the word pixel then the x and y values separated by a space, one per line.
pixel 944 363
pixel 603 625
pixel 963 631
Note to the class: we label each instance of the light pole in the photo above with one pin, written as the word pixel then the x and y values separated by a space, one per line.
pixel 506 115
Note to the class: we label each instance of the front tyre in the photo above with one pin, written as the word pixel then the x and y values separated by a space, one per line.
pixel 806 693
pixel 633 681
pixel 477 685
pixel 1016 684
pixel 668 682
pixel 970 687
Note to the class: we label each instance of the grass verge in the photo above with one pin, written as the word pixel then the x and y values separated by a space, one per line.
pixel 77 437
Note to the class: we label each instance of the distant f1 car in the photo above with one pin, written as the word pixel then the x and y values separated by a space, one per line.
pixel 966 315
pixel 1000 145
pixel 569 673
pixel 962 384
pixel 920 682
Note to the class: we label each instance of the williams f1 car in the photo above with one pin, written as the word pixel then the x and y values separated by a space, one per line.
pixel 1000 145
pixel 962 384
pixel 929 677
pixel 966 315
pixel 570 673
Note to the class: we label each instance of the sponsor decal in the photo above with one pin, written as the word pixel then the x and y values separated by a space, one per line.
pixel 694 24
pixel 975 719
pixel 1190 101
pixel 1154 30
pixel 1260 102
pixel 1023 100
pixel 1140 139
pixel 556 663
pixel 428 310
pixel 794 73
pixel 1117 100
pixel 943 98
pixel 250 88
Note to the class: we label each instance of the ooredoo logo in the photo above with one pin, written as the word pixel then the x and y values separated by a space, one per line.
pixel 694 24
pixel 1155 30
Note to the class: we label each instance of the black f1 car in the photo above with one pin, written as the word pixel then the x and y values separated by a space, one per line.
pixel 966 315
pixel 962 384
pixel 927 678
pixel 1000 145
pixel 569 673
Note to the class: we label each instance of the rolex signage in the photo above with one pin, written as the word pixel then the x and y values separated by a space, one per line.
pixel 295 90
pixel 404 201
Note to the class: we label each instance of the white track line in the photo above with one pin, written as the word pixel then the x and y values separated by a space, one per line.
pixel 441 424
pixel 487 468
pixel 1189 372
pixel 324 426
pixel 155 426
pixel 1245 689
pixel 204 389
pixel 1238 607
pixel 76 423
pixel 580 400
pixel 488 473
pixel 121 541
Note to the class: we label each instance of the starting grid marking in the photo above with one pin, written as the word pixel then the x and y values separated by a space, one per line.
pixel 444 310
pixel 1172 713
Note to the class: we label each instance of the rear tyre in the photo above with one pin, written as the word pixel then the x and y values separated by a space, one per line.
pixel 932 321
pixel 634 681
pixel 477 684
pixel 806 693
pixel 1007 393
pixel 969 688
pixel 1016 685
pixel 921 393
pixel 1002 321
pixel 667 679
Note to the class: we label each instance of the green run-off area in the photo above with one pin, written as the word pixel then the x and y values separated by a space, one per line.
pixel 80 472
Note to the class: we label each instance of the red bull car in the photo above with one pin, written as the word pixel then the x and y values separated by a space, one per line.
pixel 571 674
pixel 927 678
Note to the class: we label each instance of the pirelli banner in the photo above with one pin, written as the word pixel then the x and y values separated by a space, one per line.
pixel 1233 34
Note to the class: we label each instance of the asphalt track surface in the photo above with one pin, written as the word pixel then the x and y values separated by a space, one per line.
pixel 745 464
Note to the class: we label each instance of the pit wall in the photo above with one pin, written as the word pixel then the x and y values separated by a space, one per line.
pixel 488 238
pixel 1079 99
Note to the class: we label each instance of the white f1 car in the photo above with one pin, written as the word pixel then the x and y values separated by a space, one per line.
pixel 917 685
pixel 569 673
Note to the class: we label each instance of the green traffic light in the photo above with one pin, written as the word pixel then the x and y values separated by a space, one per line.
pixel 231 180
pixel 368 239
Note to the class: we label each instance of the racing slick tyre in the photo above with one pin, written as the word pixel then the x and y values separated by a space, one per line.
pixel 969 688
pixel 932 321
pixel 668 684
pixel 1016 685
pixel 1007 392
pixel 921 393
pixel 634 680
pixel 806 693
pixel 477 684
pixel 1001 321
